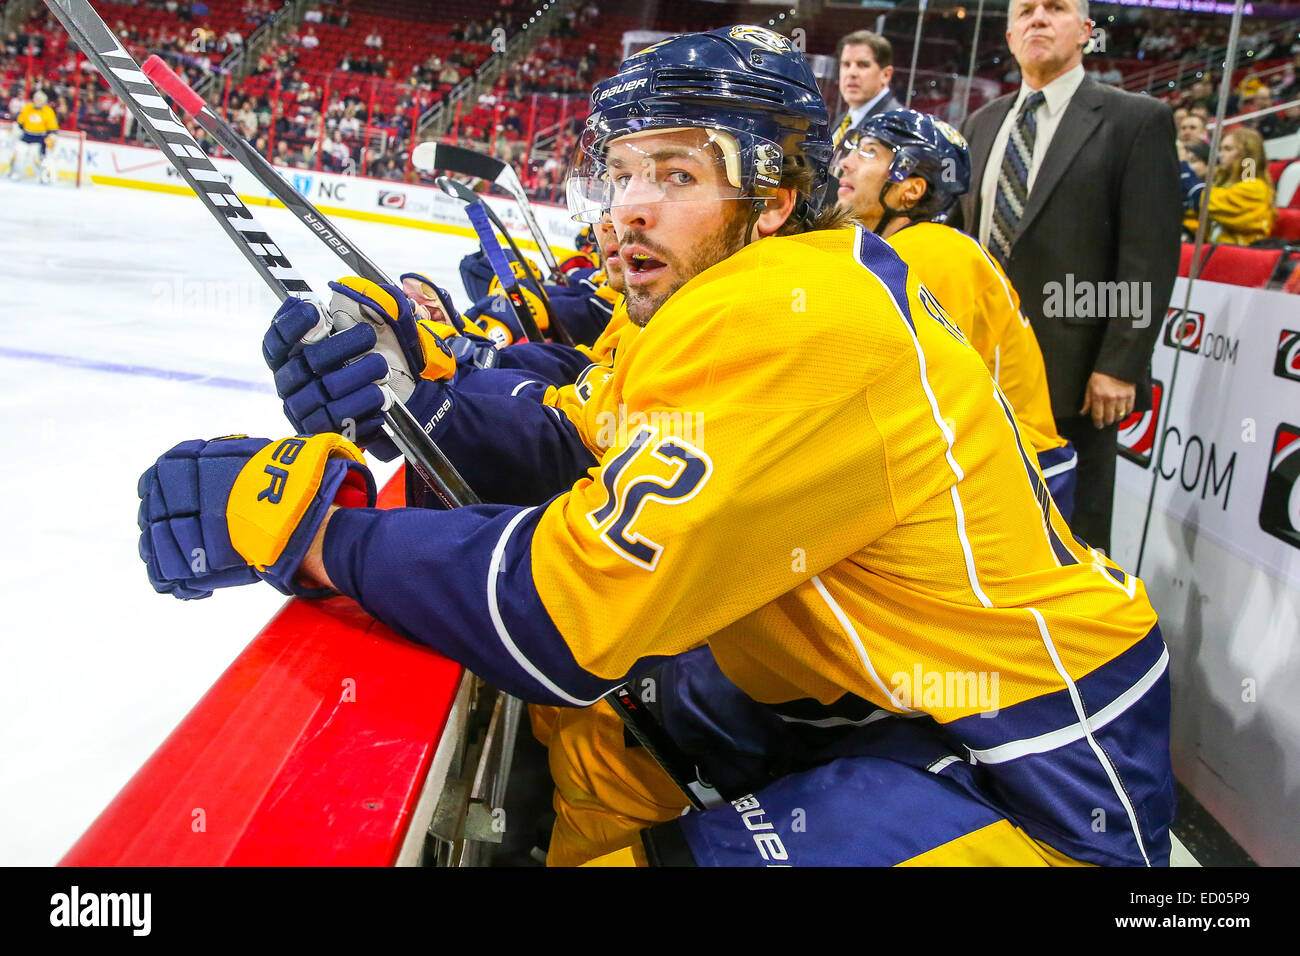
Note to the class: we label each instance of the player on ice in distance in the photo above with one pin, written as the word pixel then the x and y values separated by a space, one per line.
pixel 899 174
pixel 34 140
pixel 911 648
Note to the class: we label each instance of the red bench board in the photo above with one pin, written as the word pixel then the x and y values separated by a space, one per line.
pixel 275 766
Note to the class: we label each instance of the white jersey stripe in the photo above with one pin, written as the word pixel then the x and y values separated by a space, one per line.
pixel 494 611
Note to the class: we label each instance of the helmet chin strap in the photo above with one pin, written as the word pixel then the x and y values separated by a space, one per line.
pixel 890 212
pixel 755 210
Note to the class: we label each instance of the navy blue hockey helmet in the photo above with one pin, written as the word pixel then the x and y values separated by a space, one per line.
pixel 923 146
pixel 746 86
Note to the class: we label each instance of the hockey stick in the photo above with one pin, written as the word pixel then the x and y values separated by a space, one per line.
pixel 650 734
pixel 469 197
pixel 140 96
pixel 430 156
pixel 166 79
pixel 476 211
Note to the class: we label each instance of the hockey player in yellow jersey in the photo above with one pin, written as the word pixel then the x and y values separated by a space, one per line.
pixel 35 129
pixel 848 585
pixel 898 173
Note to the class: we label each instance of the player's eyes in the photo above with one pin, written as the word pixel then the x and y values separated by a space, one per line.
pixel 679 177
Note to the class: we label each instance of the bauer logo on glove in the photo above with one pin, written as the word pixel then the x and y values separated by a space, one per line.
pixel 230 511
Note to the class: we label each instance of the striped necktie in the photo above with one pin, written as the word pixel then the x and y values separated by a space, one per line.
pixel 1013 180
pixel 841 130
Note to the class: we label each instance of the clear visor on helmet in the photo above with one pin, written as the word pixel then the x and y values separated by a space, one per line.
pixel 862 147
pixel 668 163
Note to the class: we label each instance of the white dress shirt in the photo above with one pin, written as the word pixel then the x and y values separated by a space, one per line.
pixel 1057 97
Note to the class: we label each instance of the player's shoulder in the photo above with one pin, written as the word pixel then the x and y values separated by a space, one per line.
pixel 847 284
pixel 809 272
pixel 936 241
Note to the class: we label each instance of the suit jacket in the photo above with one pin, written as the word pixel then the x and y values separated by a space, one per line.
pixel 889 102
pixel 1105 208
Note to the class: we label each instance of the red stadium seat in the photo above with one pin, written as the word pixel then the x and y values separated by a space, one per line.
pixel 1240 265
pixel 1288 225
pixel 1185 258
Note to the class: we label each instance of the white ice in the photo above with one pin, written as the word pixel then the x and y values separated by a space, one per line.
pixel 104 292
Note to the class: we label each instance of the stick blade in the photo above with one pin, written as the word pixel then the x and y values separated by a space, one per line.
pixel 425 157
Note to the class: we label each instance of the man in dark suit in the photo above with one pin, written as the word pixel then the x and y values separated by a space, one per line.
pixel 866 66
pixel 1075 190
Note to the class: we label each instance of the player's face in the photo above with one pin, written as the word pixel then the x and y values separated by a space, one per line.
pixel 607 241
pixel 424 300
pixel 1046 36
pixel 861 77
pixel 865 170
pixel 674 214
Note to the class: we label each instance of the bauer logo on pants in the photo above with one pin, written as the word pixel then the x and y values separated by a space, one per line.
pixel 1137 433
pixel 1184 331
pixel 1279 511
pixel 1288 355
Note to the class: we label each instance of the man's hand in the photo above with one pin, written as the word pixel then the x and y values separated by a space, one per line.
pixel 226 512
pixel 1109 400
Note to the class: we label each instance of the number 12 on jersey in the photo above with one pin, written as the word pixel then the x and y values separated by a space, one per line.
pixel 643 463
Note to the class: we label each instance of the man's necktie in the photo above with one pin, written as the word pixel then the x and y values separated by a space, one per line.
pixel 840 131
pixel 1013 181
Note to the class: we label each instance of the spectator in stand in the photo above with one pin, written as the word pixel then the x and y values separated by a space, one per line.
pixel 1290 86
pixel 1202 93
pixel 1240 199
pixel 1289 122
pixel 246 120
pixel 1191 129
pixel 1266 126
pixel 1197 158
pixel 309 39
pixel 374 40
pixel 449 74
pixel 1250 84
pixel 313 15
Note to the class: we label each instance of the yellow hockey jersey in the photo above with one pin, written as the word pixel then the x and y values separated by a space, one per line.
pixel 978 295
pixel 601 352
pixel 857 533
pixel 33 119
pixel 847 525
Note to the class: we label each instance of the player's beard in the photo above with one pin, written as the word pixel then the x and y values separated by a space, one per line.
pixel 722 243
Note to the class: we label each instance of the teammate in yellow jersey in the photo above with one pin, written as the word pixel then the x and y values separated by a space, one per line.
pixel 35 140
pixel 859 612
pixel 898 173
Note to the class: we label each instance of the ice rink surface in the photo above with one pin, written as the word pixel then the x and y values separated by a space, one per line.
pixel 129 323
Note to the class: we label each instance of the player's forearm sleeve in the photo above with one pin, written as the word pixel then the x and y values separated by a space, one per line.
pixel 461 583
pixel 510 449
pixel 552 363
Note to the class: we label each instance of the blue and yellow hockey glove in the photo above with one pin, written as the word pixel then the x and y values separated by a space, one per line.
pixel 234 510
pixel 333 384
